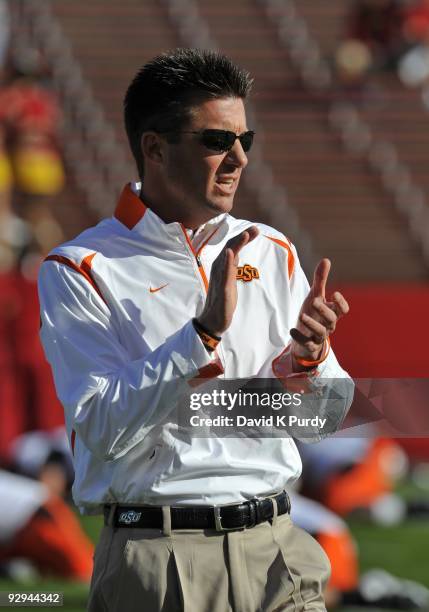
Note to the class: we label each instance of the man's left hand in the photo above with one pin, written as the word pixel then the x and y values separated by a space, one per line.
pixel 318 317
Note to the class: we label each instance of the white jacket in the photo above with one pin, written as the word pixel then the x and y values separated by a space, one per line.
pixel 116 309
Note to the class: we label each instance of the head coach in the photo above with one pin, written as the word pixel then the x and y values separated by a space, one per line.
pixel 140 308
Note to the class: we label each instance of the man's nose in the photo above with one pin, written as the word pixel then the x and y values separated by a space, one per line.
pixel 237 156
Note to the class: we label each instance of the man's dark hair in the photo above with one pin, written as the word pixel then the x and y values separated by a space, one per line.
pixel 163 92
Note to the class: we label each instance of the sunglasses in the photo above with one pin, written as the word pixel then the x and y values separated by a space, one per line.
pixel 223 140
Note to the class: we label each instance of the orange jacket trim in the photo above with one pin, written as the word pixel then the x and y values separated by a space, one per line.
pixel 207 240
pixel 312 364
pixel 195 254
pixel 84 269
pixel 211 370
pixel 290 258
pixel 292 381
pixel 214 369
pixel 130 209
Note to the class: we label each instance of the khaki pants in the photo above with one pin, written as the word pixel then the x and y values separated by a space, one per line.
pixel 269 568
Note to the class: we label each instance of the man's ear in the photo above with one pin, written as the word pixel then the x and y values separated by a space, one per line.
pixel 152 149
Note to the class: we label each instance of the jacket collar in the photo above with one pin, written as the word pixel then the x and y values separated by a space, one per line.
pixel 130 210
pixel 136 216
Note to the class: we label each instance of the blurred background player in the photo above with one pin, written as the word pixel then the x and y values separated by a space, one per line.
pixel 347 586
pixel 37 526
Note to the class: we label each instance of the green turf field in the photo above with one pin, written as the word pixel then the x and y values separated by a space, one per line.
pixel 404 551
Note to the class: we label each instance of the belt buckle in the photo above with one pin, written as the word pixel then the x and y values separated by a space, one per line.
pixel 255 511
pixel 218 521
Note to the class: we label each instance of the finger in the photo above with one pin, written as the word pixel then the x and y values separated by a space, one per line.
pixel 253 231
pixel 326 312
pixel 306 341
pixel 318 331
pixel 299 337
pixel 339 306
pixel 239 241
pixel 342 306
pixel 230 270
pixel 237 244
pixel 320 277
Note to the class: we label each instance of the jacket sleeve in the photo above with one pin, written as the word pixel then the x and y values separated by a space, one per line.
pixel 110 401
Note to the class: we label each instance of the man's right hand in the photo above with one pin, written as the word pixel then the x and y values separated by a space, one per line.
pixel 221 299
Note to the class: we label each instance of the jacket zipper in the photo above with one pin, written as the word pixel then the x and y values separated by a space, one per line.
pixel 202 271
pixel 197 259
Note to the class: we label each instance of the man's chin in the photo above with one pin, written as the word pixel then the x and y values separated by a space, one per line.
pixel 220 204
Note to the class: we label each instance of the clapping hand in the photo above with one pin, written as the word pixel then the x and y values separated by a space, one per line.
pixel 221 299
pixel 318 316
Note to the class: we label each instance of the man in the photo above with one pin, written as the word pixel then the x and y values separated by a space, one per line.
pixel 130 323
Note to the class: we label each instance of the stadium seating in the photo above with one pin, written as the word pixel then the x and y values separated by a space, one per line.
pixel 342 205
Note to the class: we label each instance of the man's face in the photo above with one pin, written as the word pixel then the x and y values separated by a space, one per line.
pixel 200 182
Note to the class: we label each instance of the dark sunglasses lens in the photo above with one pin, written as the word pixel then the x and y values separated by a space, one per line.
pixel 223 140
pixel 218 140
pixel 246 140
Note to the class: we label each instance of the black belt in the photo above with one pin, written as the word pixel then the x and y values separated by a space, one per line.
pixel 222 518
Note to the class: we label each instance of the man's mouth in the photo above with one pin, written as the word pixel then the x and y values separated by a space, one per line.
pixel 225 185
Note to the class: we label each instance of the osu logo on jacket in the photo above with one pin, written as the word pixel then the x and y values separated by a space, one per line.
pixel 247 273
